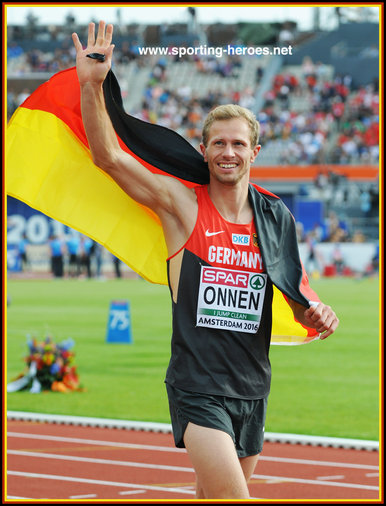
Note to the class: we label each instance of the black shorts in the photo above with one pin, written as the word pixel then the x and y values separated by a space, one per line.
pixel 242 419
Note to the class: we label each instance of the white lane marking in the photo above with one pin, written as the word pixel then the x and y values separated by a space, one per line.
pixel 83 496
pixel 187 469
pixel 99 482
pixel 313 482
pixel 132 492
pixel 317 462
pixel 179 450
pixel 18 497
pixel 328 478
pixel 95 442
pixel 99 461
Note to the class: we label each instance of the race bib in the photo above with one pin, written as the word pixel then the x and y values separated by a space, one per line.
pixel 230 300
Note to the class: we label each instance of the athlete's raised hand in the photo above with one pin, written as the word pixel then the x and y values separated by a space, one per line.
pixel 90 69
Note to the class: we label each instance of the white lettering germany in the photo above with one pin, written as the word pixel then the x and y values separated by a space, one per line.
pixel 228 256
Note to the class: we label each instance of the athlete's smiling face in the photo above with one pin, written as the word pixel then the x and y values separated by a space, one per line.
pixel 229 152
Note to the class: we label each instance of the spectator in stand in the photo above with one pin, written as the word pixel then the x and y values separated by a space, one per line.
pixel 365 201
pixel 337 229
pixel 14 50
pixel 57 253
pixel 23 255
pixel 11 102
pixel 313 264
pixel 85 252
pixel 259 74
pixel 337 108
pixel 98 254
pixel 337 259
pixel 308 68
pixel 286 36
pixel 23 95
pixel 73 247
pixel 375 261
pixel 117 267
pixel 358 236
pixel 127 53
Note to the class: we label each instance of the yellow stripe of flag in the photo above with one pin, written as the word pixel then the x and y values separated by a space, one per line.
pixel 51 171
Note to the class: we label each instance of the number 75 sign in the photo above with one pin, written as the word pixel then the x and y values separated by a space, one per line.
pixel 119 322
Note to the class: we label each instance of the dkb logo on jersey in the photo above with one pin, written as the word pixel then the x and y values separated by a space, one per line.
pixel 241 239
pixel 257 282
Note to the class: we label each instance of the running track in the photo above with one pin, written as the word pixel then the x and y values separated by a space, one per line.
pixel 50 461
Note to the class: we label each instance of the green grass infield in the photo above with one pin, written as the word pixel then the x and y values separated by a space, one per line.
pixel 325 388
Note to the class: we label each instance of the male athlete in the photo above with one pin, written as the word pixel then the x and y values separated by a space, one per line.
pixel 219 374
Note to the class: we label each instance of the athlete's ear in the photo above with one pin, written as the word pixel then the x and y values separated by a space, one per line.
pixel 255 152
pixel 203 151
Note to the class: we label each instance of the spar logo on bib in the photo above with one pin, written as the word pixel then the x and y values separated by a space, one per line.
pixel 257 282
pixel 230 299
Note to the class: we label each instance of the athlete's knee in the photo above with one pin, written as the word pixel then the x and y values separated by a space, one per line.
pixel 228 491
pixel 222 489
pixel 248 465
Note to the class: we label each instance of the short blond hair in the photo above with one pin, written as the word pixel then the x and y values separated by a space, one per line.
pixel 231 111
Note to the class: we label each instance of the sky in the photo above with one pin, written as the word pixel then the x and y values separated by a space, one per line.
pixel 56 13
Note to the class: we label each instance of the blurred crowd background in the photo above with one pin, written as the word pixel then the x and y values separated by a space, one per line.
pixel 318 108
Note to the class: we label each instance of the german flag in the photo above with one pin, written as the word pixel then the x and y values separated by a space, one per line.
pixel 50 168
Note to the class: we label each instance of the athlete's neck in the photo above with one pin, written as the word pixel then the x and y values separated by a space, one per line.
pixel 231 201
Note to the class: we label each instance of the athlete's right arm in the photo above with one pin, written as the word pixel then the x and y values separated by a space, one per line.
pixel 153 191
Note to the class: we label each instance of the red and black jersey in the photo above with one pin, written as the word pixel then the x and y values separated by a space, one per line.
pixel 223 317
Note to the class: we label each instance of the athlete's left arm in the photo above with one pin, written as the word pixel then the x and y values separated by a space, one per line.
pixel 318 316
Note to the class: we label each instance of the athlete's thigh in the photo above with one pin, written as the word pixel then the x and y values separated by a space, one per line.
pixel 215 461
